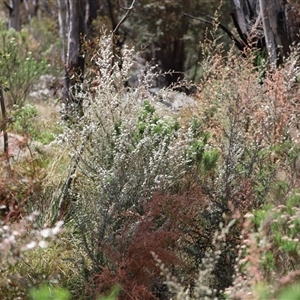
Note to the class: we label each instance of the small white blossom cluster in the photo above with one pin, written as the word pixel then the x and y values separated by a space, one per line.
pixel 24 236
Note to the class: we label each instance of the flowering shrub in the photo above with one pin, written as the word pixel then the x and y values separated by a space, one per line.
pixel 23 249
pixel 125 151
pixel 197 204
pixel 231 151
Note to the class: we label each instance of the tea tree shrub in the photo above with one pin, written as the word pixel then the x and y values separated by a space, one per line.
pixel 124 151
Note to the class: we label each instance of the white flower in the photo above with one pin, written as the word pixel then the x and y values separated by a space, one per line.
pixel 46 232
pixel 43 244
pixel 31 245
pixel 57 227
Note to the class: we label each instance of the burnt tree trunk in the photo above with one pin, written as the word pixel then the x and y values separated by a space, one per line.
pixel 265 25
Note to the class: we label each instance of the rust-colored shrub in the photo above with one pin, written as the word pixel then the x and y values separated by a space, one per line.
pixel 165 227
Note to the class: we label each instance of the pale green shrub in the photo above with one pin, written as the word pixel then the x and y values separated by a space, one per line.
pixel 123 151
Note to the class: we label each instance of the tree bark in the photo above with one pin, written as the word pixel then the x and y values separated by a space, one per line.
pixel 265 20
pixel 92 7
pixel 14 14
pixel 74 64
pixel 47 8
pixel 27 11
pixel 63 21
pixel 36 7
pixel 72 20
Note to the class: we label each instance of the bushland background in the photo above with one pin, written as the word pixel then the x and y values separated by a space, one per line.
pixel 149 149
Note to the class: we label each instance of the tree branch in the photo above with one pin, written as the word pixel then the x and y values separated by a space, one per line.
pixel 9 7
pixel 240 45
pixel 126 8
pixel 238 28
pixel 129 9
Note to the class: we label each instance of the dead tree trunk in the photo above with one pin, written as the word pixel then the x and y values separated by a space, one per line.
pixel 265 24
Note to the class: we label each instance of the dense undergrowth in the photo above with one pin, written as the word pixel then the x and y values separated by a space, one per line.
pixel 197 204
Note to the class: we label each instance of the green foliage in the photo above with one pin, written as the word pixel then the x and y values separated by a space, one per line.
pixel 210 159
pixel 45 292
pixel 291 293
pixel 19 69
pixel 153 124
pixel 43 34
pixel 260 215
pixel 26 121
pixel 284 228
pixel 201 154
pixel 49 293
pixel 268 261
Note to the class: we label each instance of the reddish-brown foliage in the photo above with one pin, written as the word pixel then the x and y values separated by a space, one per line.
pixel 160 229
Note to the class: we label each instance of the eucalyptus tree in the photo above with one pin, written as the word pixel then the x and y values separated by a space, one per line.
pixel 71 17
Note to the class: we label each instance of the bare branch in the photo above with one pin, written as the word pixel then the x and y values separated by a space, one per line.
pixel 240 45
pixel 129 9
pixel 126 8
pixel 8 6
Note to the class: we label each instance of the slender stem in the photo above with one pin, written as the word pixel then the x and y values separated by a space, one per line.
pixel 4 118
pixel 116 29
pixel 129 9
pixel 239 44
